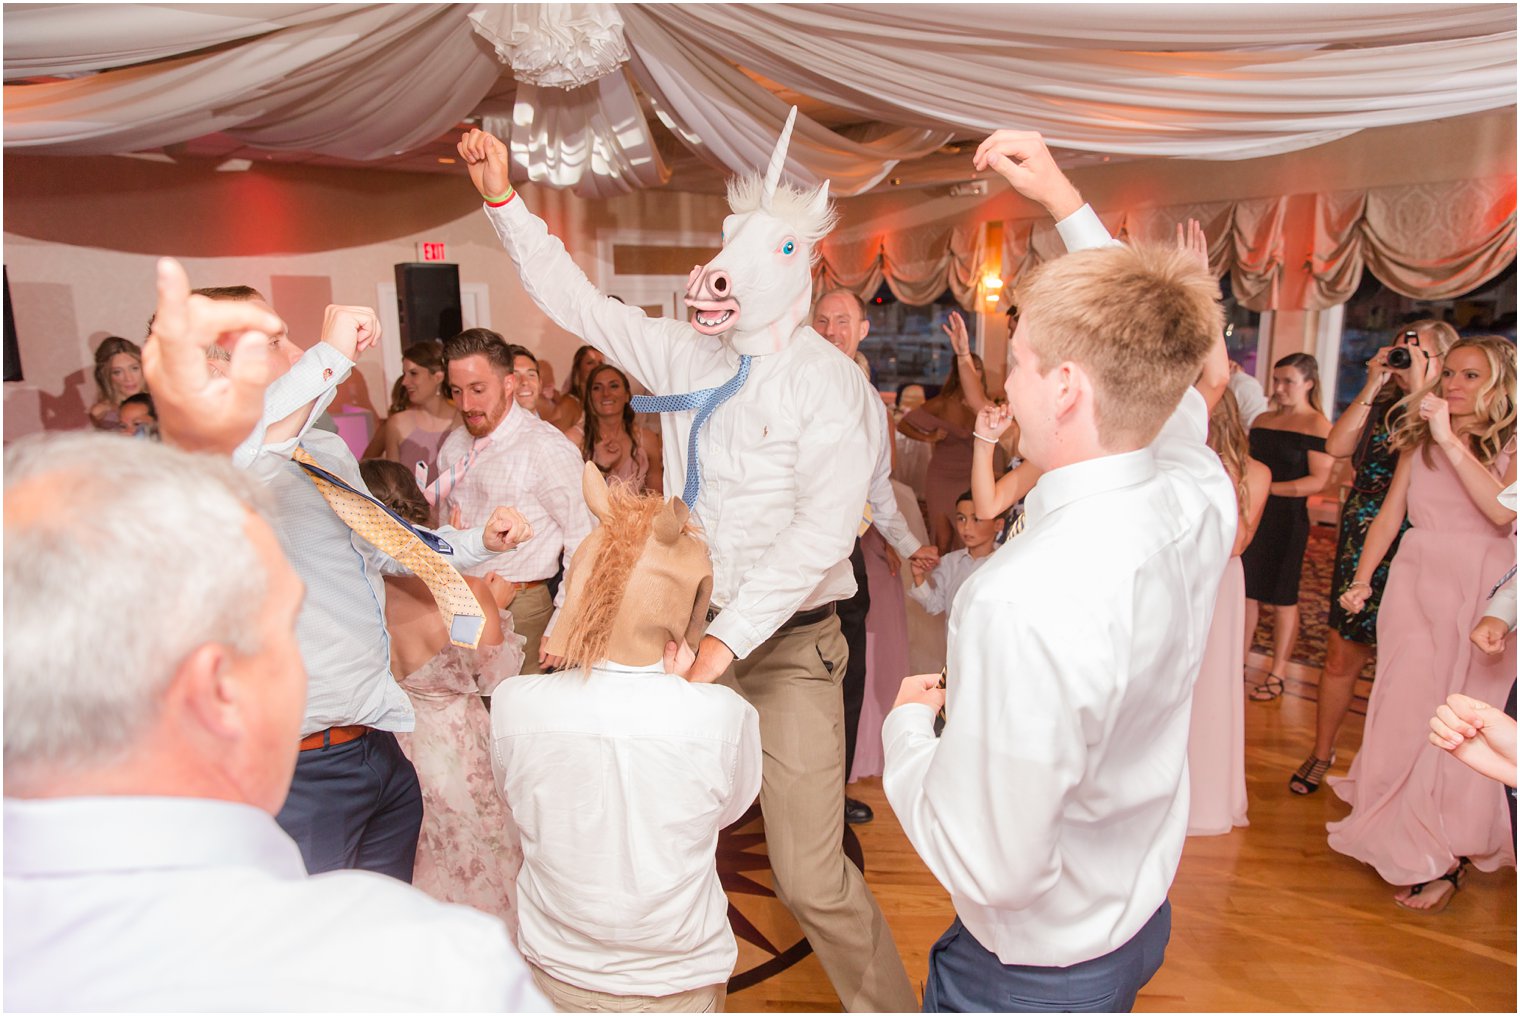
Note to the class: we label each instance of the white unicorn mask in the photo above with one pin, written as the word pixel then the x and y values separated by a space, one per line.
pixel 757 292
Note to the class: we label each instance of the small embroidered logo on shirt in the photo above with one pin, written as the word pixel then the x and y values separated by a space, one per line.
pixel 327 374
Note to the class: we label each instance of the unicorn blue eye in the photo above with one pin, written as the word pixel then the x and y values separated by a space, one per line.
pixel 788 247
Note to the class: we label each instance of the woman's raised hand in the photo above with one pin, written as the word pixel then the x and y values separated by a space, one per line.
pixel 955 328
pixel 993 420
pixel 1435 411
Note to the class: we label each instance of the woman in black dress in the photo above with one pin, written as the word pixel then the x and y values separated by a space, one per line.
pixel 1361 434
pixel 1290 439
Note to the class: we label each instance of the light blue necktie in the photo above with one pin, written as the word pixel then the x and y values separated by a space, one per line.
pixel 704 402
pixel 1500 584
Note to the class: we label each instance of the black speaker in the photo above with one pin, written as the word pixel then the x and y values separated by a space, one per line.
pixel 12 351
pixel 427 301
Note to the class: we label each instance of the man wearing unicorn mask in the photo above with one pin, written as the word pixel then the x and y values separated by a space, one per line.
pixel 769 439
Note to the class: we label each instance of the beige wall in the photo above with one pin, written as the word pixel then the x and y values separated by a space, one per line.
pixel 81 235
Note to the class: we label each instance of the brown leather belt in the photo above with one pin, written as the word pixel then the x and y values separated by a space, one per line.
pixel 332 736
pixel 520 586
pixel 801 619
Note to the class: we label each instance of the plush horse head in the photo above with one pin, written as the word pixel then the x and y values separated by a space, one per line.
pixel 757 292
pixel 640 579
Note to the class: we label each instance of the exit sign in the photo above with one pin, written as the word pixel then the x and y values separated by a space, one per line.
pixel 431 252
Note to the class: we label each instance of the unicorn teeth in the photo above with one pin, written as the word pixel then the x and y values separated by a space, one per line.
pixel 712 321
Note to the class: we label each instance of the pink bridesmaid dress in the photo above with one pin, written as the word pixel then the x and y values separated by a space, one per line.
pixel 1217 734
pixel 1414 808
pixel 886 655
pixel 468 851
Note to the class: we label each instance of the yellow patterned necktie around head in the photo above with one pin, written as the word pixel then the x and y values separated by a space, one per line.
pixel 390 534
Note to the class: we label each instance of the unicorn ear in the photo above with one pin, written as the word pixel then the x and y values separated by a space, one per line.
pixel 594 487
pixel 778 161
pixel 818 204
pixel 670 521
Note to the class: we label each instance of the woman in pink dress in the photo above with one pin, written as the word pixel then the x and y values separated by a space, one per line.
pixel 468 851
pixel 1217 735
pixel 1417 815
pixel 609 436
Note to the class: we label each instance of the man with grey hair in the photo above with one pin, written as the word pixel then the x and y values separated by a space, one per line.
pixel 154 691
pixel 840 317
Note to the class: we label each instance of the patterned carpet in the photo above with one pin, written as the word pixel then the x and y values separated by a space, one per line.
pixel 1313 604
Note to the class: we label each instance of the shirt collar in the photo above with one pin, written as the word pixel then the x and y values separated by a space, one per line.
pixel 608 667
pixel 1060 487
pixel 515 420
pixel 90 835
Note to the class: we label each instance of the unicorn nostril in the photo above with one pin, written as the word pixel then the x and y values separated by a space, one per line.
pixel 719 282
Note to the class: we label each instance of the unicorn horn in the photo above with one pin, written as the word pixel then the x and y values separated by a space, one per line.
pixel 778 160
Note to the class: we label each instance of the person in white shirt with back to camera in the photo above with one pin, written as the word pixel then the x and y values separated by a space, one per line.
pixel 154 688
pixel 1055 805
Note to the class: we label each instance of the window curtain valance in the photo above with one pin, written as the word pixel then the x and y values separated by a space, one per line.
pixel 1429 241
pixel 1425 241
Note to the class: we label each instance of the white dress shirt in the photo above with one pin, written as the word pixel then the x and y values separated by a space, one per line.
pixel 341 627
pixel 529 465
pixel 1055 806
pixel 1248 395
pixel 179 903
pixel 937 594
pixel 786 462
pixel 619 783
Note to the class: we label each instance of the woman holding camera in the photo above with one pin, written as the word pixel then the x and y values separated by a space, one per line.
pixel 1418 816
pixel 1362 434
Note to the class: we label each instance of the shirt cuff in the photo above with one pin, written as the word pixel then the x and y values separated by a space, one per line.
pixel 736 633
pixel 908 720
pixel 1083 229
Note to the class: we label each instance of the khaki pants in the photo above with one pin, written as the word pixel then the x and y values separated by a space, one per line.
pixel 570 998
pixel 793 681
pixel 531 610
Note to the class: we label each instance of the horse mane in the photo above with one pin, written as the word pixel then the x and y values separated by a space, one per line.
pixel 624 534
pixel 792 205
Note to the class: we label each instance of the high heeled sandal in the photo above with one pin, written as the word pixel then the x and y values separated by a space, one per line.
pixel 1454 876
pixel 1310 775
pixel 1268 691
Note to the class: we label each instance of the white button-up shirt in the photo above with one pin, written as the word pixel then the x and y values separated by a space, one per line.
pixel 937 594
pixel 529 465
pixel 619 784
pixel 1055 806
pixel 179 903
pixel 786 462
pixel 341 627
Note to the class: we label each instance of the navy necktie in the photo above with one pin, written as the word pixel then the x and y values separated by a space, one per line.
pixel 704 402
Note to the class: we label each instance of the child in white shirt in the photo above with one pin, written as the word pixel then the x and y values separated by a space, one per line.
pixel 934 588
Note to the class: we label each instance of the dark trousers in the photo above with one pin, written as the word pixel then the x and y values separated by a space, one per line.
pixel 965 977
pixel 355 805
pixel 852 624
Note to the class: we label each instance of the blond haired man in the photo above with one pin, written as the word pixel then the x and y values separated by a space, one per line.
pixel 1054 806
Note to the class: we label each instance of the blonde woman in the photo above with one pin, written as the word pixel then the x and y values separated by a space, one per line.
pixel 118 375
pixel 1217 731
pixel 1363 434
pixel 1418 816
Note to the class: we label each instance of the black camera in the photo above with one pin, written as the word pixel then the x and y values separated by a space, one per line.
pixel 1399 357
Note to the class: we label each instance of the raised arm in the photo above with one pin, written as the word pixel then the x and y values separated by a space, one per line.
pixel 1347 432
pixel 556 283
pixel 965 366
pixel 1215 376
pixel 1480 484
pixel 992 494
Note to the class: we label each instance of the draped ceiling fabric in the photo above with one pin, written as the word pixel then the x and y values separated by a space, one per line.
pixel 1206 81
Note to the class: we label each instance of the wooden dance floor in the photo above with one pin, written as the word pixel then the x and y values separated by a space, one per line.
pixel 1267 918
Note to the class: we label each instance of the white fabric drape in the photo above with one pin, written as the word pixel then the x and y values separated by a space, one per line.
pixel 1214 81
pixel 361 83
pixel 1207 81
